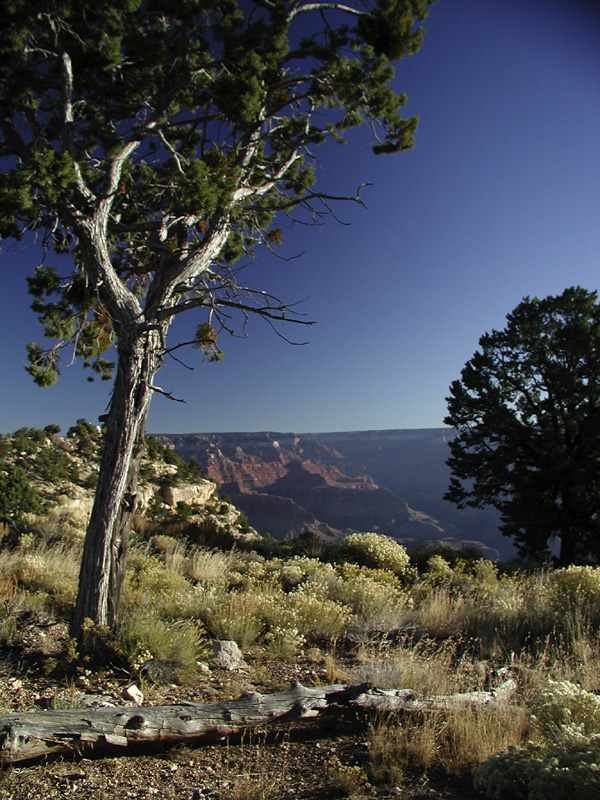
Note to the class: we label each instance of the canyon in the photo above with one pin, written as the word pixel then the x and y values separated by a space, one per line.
pixel 389 481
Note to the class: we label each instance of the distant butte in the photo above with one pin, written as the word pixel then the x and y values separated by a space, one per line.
pixel 389 481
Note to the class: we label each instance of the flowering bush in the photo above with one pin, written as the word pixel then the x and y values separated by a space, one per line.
pixel 568 711
pixel 564 764
pixel 318 616
pixel 573 589
pixel 284 642
pixel 380 552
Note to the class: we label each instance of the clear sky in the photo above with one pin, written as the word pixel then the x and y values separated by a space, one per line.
pixel 499 199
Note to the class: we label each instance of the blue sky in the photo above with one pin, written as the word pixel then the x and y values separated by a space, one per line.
pixel 499 199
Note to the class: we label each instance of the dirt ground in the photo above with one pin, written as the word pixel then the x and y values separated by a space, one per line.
pixel 286 761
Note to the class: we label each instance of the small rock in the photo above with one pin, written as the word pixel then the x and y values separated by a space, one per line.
pixel 227 655
pixel 133 693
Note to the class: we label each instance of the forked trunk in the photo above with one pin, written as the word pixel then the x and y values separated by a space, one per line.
pixel 105 547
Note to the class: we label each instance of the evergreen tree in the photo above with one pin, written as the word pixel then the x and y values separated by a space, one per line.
pixel 17 495
pixel 155 142
pixel 527 409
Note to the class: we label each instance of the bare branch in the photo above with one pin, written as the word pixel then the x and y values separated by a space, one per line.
pixel 169 395
pixel 307 7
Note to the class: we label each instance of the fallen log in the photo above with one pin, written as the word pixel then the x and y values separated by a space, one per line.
pixel 408 700
pixel 30 735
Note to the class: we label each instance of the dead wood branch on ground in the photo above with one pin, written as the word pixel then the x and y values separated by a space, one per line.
pixel 35 734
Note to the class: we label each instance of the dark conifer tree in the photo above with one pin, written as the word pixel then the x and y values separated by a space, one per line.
pixel 527 411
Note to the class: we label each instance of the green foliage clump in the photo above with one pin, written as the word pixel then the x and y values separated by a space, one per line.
pixel 17 495
pixel 149 579
pixel 86 437
pixel 190 471
pixel 55 465
pixel 421 554
pixel 48 575
pixel 564 763
pixel 574 589
pixel 160 647
pixel 379 552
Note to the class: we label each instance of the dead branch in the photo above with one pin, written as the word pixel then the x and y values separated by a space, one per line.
pixel 35 734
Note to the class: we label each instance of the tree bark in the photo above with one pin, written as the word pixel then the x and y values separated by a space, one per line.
pixel 105 547
pixel 35 734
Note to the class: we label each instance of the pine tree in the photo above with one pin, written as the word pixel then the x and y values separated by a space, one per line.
pixel 527 409
pixel 156 143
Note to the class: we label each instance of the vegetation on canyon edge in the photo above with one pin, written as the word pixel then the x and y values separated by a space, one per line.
pixel 437 621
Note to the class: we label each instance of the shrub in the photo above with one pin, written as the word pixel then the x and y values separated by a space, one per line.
pixel 316 616
pixel 144 637
pixel 563 764
pixel 208 566
pixel 284 642
pixel 574 589
pixel 420 554
pixel 380 552
pixel 231 615
pixel 375 596
pixel 17 495
pixel 55 465
pixel 51 574
pixel 86 437
pixel 149 580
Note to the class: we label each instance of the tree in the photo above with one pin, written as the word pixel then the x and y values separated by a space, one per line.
pixel 527 411
pixel 156 144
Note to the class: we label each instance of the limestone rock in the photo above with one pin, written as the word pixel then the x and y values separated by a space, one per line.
pixel 227 655
pixel 133 693
pixel 196 494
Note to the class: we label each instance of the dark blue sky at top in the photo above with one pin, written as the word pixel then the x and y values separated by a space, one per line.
pixel 499 199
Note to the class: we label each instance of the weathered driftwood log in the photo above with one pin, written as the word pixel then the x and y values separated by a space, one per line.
pixel 34 734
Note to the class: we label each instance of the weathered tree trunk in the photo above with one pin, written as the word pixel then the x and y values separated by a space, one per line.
pixel 105 548
pixel 35 734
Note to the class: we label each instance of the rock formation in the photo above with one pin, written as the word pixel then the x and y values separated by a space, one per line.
pixel 391 482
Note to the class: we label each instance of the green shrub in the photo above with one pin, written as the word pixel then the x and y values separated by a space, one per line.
pixel 190 471
pixel 149 580
pixel 51 574
pixel 318 617
pixel 380 552
pixel 574 589
pixel 144 637
pixel 17 495
pixel 55 465
pixel 421 553
pixel 86 437
pixel 231 615
pixel 563 764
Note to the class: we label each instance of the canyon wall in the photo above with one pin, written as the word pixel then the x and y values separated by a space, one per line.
pixel 389 481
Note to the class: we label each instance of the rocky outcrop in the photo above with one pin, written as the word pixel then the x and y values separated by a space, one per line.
pixel 196 494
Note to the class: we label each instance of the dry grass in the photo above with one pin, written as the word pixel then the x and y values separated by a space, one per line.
pixel 448 632
pixel 252 776
pixel 457 740
pixel 427 666
pixel 208 566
